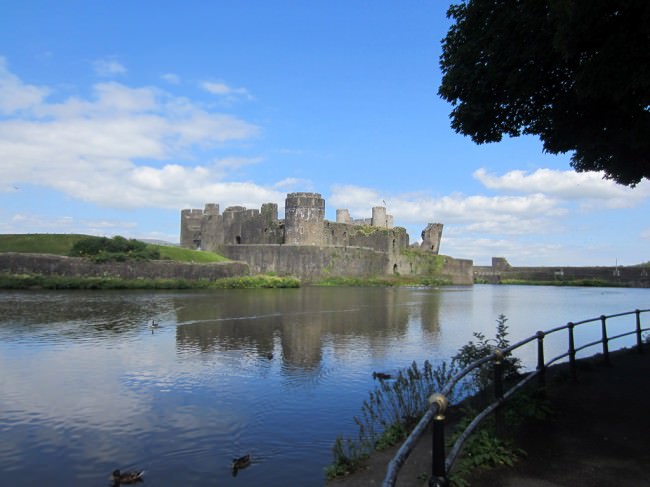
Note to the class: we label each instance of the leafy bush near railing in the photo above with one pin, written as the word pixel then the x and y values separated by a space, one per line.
pixel 481 377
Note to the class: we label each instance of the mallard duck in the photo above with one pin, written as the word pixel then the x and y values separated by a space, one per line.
pixel 239 463
pixel 126 477
pixel 154 324
pixel 380 376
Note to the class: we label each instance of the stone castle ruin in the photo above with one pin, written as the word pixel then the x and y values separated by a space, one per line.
pixel 307 245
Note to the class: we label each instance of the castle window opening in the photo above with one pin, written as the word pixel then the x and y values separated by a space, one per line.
pixel 394 268
pixel 238 239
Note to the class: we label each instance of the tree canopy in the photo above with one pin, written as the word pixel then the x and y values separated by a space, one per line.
pixel 576 73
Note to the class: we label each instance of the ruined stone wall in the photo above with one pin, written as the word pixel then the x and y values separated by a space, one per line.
pixel 379 239
pixel 208 230
pixel 54 265
pixel 418 262
pixel 431 237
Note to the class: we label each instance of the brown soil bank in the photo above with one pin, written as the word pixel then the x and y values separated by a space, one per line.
pixel 598 435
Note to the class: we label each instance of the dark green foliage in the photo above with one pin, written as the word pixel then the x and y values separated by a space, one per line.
pixel 575 73
pixel 102 249
pixel 481 377
pixel 483 450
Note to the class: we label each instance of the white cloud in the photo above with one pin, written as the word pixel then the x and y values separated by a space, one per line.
pixel 116 148
pixel 108 68
pixel 290 184
pixel 588 187
pixel 15 95
pixel 645 234
pixel 222 89
pixel 237 162
pixel 171 78
pixel 495 214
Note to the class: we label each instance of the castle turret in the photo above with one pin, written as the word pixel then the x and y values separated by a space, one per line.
pixel 304 216
pixel 191 228
pixel 379 217
pixel 343 216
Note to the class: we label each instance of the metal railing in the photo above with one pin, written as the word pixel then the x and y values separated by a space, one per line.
pixel 441 465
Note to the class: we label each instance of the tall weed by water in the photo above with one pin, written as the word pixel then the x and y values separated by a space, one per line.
pixel 395 406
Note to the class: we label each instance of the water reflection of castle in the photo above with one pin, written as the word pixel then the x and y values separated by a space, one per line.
pixel 295 325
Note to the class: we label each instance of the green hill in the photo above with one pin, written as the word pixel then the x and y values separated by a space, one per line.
pixel 62 243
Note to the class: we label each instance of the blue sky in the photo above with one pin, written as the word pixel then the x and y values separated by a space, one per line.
pixel 116 115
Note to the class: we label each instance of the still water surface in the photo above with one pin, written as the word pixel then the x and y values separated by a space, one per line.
pixel 87 387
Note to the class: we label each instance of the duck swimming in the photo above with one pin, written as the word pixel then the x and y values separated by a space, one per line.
pixel 381 376
pixel 239 463
pixel 126 477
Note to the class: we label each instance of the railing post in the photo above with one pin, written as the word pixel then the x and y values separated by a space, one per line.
pixel 498 374
pixel 572 353
pixel 438 468
pixel 639 338
pixel 603 320
pixel 498 390
pixel 540 359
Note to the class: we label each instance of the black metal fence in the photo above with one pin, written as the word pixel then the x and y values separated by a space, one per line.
pixel 441 464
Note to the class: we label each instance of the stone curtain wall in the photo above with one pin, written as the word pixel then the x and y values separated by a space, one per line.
pixel 309 262
pixel 52 265
pixel 313 262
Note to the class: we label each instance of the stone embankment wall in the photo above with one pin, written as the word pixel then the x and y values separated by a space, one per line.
pixel 618 276
pixel 54 265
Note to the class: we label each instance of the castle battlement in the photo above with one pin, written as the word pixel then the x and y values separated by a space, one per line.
pixel 304 225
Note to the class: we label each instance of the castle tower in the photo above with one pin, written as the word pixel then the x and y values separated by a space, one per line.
pixel 269 212
pixel 343 216
pixel 191 228
pixel 211 209
pixel 304 217
pixel 379 217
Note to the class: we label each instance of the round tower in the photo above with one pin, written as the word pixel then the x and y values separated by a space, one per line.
pixel 343 216
pixel 304 217
pixel 379 217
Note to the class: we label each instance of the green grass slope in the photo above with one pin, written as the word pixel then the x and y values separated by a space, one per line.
pixel 61 244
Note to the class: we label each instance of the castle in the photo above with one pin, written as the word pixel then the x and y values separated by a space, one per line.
pixel 307 245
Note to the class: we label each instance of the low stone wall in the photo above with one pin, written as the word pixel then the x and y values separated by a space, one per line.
pixel 621 276
pixel 54 265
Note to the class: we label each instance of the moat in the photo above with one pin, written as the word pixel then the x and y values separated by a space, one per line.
pixel 89 387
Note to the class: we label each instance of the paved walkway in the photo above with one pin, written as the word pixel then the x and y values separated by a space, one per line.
pixel 598 435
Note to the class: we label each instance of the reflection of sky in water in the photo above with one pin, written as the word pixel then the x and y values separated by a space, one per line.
pixel 86 387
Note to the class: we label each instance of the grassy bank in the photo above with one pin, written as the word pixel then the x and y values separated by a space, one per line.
pixel 381 281
pixel 62 282
pixel 573 282
pixel 62 244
